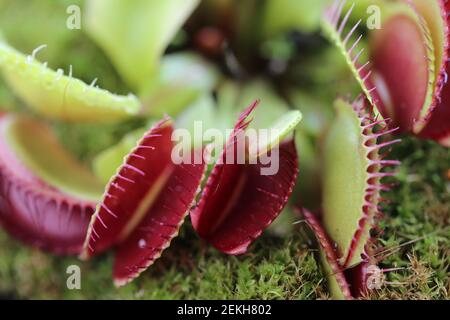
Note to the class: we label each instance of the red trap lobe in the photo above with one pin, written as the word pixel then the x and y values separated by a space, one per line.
pixel 135 186
pixel 160 224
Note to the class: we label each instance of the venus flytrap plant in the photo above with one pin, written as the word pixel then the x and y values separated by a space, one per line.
pixel 269 192
pixel 139 219
pixel 353 169
pixel 61 97
pixel 137 215
pixel 50 201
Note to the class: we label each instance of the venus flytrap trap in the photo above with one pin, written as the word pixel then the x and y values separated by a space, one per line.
pixel 348 44
pixel 436 125
pixel 144 205
pixel 61 97
pixel 238 202
pixel 353 168
pixel 47 198
pixel 351 178
pixel 395 53
pixel 408 78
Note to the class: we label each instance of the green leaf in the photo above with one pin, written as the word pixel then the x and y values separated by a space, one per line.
pixel 60 97
pixel 181 79
pixel 135 34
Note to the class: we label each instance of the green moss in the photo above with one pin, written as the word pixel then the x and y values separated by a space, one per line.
pixel 277 269
pixel 419 213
